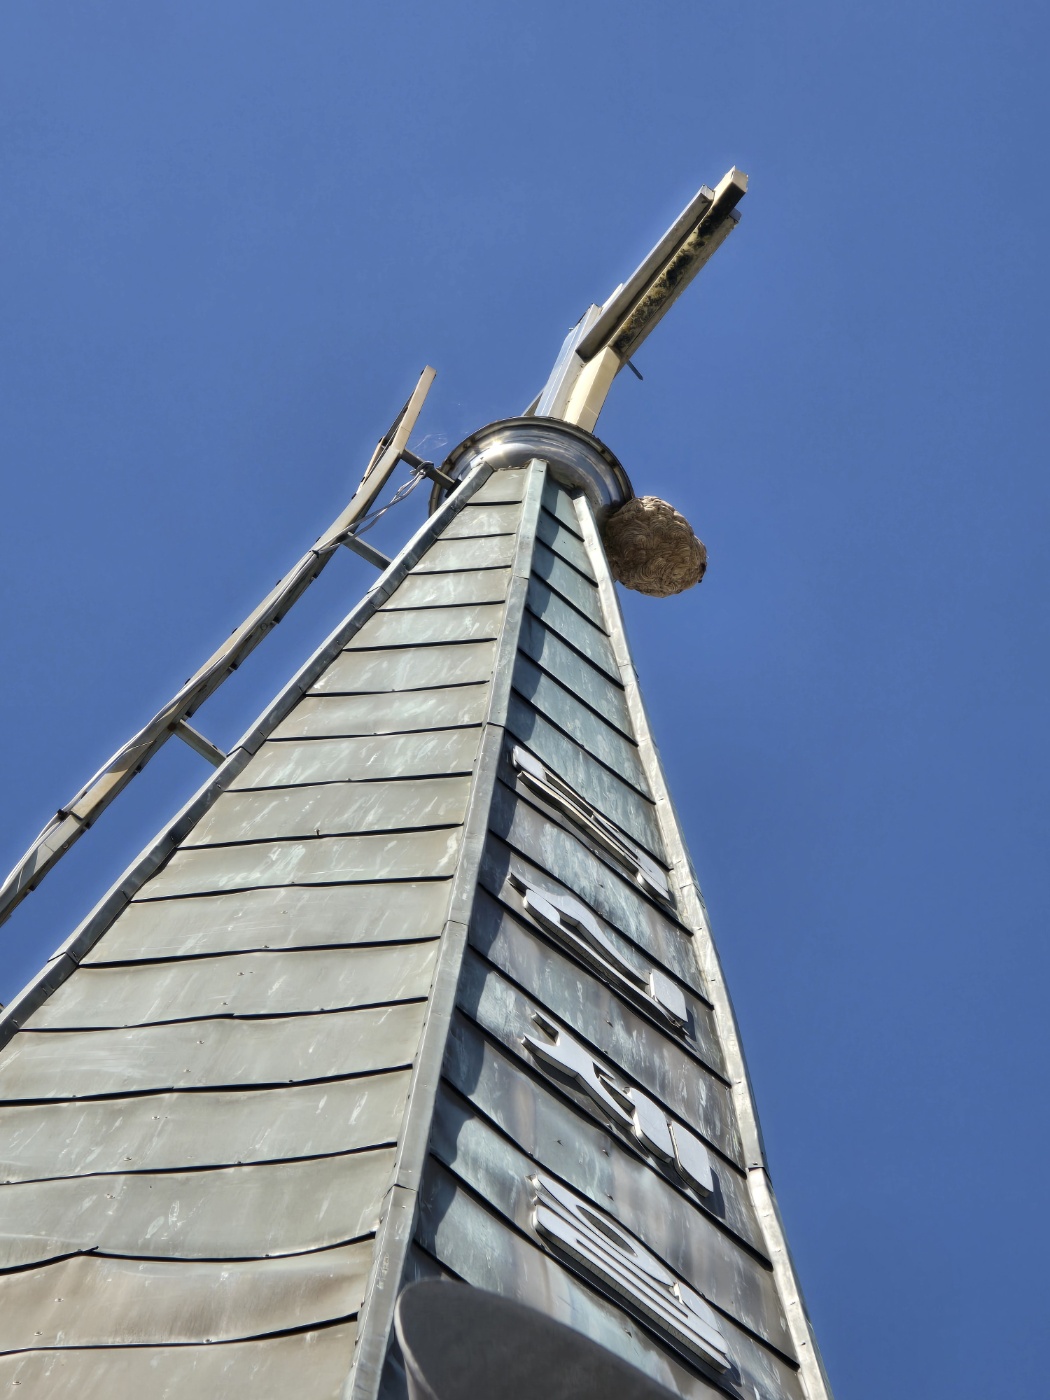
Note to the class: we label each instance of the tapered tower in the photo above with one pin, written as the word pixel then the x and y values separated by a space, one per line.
pixel 419 985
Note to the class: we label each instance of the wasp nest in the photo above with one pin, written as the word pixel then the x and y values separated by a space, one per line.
pixel 652 549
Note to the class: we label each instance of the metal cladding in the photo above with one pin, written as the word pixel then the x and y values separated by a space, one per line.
pixel 419 986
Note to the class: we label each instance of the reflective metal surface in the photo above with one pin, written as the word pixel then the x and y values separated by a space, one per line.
pixel 397 712
pixel 592 686
pixel 567 1131
pixel 564 543
pixel 572 627
pixel 618 900
pixel 94 1301
pixel 267 1369
pixel 569 583
pixel 244 984
pixel 421 669
pixel 483 520
pixel 445 590
pixel 666 1074
pixel 478 1245
pixel 207 1054
pixel 326 860
pixel 432 753
pixel 431 626
pixel 240 1212
pixel 484 553
pixel 212 1128
pixel 332 809
pixel 303 917
pixel 574 457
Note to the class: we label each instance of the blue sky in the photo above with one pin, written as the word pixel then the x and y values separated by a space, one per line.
pixel 234 232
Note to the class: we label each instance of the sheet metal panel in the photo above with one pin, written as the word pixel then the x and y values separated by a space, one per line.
pixel 360 759
pixel 564 543
pixel 483 520
pixel 701 1033
pixel 589 1011
pixel 429 626
pixel 332 809
pixel 593 687
pixel 326 860
pixel 558 501
pixel 534 1111
pixel 601 740
pixel 572 627
pixel 208 1128
pixel 573 865
pixel 476 1244
pixel 569 583
pixel 95 1301
pixel 505 484
pixel 450 555
pixel 242 1212
pixel 623 805
pixel 333 716
pixel 460 663
pixel 435 753
pixel 450 590
pixel 671 1226
pixel 242 984
pixel 209 1054
pixel 271 1369
pixel 249 920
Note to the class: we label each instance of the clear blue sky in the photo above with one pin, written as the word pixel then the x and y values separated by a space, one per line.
pixel 232 235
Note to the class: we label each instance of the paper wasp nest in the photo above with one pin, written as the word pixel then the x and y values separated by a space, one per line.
pixel 652 548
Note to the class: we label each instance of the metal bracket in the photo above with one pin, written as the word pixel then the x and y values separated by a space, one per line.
pixel 367 551
pixel 428 469
pixel 198 743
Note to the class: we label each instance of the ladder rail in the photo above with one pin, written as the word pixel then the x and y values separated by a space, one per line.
pixel 71 821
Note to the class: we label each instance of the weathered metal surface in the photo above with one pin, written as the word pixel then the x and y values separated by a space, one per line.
pixel 558 501
pixel 269 1369
pixel 355 672
pixel 590 685
pixel 430 626
pixel 615 1181
pixel 676 1081
pixel 209 1054
pixel 699 1033
pixel 483 520
pixel 537 1116
pixel 249 920
pixel 333 716
pixel 568 583
pixel 242 984
pixel 624 805
pixel 476 1244
pixel 332 809
pixel 96 1301
pixel 326 860
pixel 431 590
pixel 434 753
pixel 600 740
pixel 503 485
pixel 572 627
pixel 242 1212
pixel 624 1266
pixel 208 1128
pixel 447 555
pixel 581 869
pixel 564 543
pixel 543 786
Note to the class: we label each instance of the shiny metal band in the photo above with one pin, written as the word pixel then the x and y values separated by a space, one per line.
pixel 575 458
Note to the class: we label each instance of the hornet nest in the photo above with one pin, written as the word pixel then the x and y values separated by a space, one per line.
pixel 652 549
